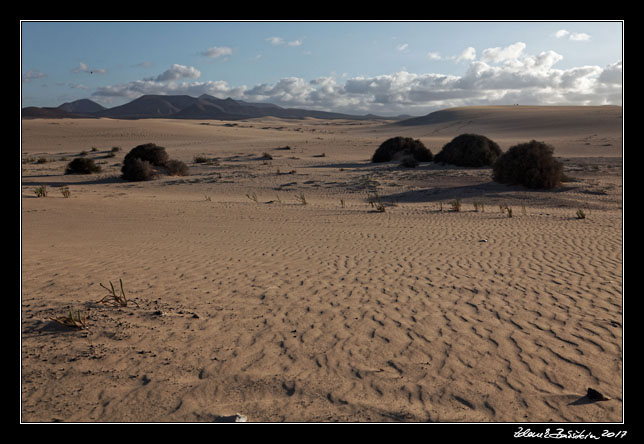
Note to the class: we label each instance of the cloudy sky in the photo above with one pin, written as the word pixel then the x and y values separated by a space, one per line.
pixel 385 68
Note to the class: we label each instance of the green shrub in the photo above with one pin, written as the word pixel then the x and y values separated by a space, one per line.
pixel 529 164
pixel 470 150
pixel 400 147
pixel 82 165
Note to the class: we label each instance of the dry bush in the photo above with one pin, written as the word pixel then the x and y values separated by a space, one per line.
pixel 176 168
pixel 529 164
pixel 154 154
pixel 82 165
pixel 400 147
pixel 470 150
pixel 138 170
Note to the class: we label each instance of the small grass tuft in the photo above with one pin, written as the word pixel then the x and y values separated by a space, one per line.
pixel 301 199
pixel 79 322
pixel 114 299
pixel 376 202
pixel 41 191
pixel 580 214
pixel 252 196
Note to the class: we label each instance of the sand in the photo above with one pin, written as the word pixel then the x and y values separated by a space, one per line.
pixel 329 311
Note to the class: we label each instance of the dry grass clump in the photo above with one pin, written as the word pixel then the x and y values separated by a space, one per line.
pixel 41 191
pixel 79 322
pixel 401 147
pixel 529 164
pixel 176 168
pixel 114 299
pixel 82 165
pixel 470 150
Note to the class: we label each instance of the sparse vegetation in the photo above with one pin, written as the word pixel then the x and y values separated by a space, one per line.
pixel 79 322
pixel 400 147
pixel 82 165
pixel 41 191
pixel 252 196
pixel 114 299
pixel 580 214
pixel 470 150
pixel 506 209
pixel 376 202
pixel 64 190
pixel 456 205
pixel 301 198
pixel 176 168
pixel 529 164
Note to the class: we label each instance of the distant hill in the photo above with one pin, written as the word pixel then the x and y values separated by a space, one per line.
pixel 517 120
pixel 81 106
pixel 204 107
pixel 33 112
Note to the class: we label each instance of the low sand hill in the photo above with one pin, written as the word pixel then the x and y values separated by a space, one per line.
pixel 586 126
pixel 246 300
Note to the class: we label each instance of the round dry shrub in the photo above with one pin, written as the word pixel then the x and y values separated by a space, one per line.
pixel 137 170
pixel 154 154
pixel 82 165
pixel 529 164
pixel 409 162
pixel 469 150
pixel 176 168
pixel 400 147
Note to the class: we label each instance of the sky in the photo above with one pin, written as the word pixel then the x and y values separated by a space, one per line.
pixel 386 68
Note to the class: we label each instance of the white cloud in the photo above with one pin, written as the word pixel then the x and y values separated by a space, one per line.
pixel 510 52
pixel 562 34
pixel 401 47
pixel 467 54
pixel 275 40
pixel 217 51
pixel 278 41
pixel 434 56
pixel 177 72
pixel 580 37
pixel 575 37
pixel 83 67
pixel 32 74
pixel 502 76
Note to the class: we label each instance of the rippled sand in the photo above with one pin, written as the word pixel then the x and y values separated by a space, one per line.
pixel 329 311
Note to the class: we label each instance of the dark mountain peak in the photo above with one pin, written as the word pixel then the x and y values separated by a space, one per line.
pixel 184 107
pixel 81 106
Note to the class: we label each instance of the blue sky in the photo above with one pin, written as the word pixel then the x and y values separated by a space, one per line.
pixel 386 68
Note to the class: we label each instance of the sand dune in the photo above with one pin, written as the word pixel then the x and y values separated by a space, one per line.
pixel 329 311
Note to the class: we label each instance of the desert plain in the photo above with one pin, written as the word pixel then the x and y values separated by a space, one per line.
pixel 266 283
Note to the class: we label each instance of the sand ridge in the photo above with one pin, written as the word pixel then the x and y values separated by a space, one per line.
pixel 329 311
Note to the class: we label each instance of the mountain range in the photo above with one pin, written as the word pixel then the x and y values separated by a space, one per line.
pixel 183 107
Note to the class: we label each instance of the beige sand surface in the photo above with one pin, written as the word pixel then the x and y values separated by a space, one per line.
pixel 329 311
